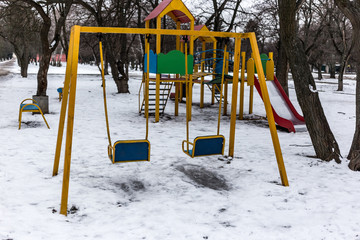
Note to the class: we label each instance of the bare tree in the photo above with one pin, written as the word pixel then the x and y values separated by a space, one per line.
pixel 20 27
pixel 6 50
pixel 351 9
pixel 267 16
pixel 340 35
pixel 323 140
pixel 117 47
pixel 221 15
pixel 46 9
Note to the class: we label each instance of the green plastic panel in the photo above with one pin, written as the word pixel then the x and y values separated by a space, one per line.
pixel 174 63
pixel 264 58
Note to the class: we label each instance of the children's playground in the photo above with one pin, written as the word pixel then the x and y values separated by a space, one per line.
pixel 206 146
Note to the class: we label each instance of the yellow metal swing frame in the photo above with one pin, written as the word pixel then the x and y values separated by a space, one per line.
pixel 69 94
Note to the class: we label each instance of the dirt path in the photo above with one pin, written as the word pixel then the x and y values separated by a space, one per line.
pixel 5 66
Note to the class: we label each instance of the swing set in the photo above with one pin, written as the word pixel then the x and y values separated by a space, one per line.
pixel 139 150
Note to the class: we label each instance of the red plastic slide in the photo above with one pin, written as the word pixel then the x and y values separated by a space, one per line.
pixel 284 112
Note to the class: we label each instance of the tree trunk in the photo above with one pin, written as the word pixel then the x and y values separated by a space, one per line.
pixel 323 140
pixel 332 70
pixel 343 63
pixel 354 153
pixel 106 66
pixel 319 71
pixel 121 85
pixel 22 53
pixel 282 68
pixel 24 64
pixel 351 9
pixel 44 64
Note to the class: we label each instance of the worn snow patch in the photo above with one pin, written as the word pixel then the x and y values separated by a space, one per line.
pixel 203 177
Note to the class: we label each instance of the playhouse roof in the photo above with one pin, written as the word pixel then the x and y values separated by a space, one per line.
pixel 176 9
pixel 203 38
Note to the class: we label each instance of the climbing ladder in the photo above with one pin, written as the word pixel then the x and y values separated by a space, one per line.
pixel 165 88
pixel 217 91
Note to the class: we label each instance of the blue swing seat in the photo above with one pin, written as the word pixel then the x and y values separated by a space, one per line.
pixel 205 146
pixel 129 151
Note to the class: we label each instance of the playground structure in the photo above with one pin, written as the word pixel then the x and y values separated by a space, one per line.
pixel 179 13
pixel 284 112
pixel 30 107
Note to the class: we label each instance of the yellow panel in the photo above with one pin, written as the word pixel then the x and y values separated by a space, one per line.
pixel 270 70
pixel 250 72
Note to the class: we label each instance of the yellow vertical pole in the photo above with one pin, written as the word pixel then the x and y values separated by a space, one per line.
pixel 70 120
pixel 269 113
pixel 214 65
pixel 177 89
pixel 187 97
pixel 202 78
pixel 178 26
pixel 221 91
pixel 251 99
pixel 191 51
pixel 177 85
pixel 227 63
pixel 251 95
pixel 242 86
pixel 225 97
pixel 146 95
pixel 234 96
pixel 158 50
pixel 63 105
pixel 226 58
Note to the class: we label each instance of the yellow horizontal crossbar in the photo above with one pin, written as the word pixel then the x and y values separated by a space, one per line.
pixel 162 32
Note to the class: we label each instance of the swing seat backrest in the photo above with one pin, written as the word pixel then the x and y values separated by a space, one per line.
pixel 206 145
pixel 131 151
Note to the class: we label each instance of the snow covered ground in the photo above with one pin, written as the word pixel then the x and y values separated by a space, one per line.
pixel 172 196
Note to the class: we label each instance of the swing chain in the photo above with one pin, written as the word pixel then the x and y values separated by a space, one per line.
pixel 226 41
pixel 99 36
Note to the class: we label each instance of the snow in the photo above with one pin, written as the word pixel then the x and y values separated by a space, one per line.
pixel 172 196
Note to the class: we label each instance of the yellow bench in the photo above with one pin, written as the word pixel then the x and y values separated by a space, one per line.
pixel 30 107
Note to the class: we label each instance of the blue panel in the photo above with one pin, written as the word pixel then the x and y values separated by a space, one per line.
pixel 132 151
pixel 189 152
pixel 30 107
pixel 60 90
pixel 208 146
pixel 219 66
pixel 152 61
